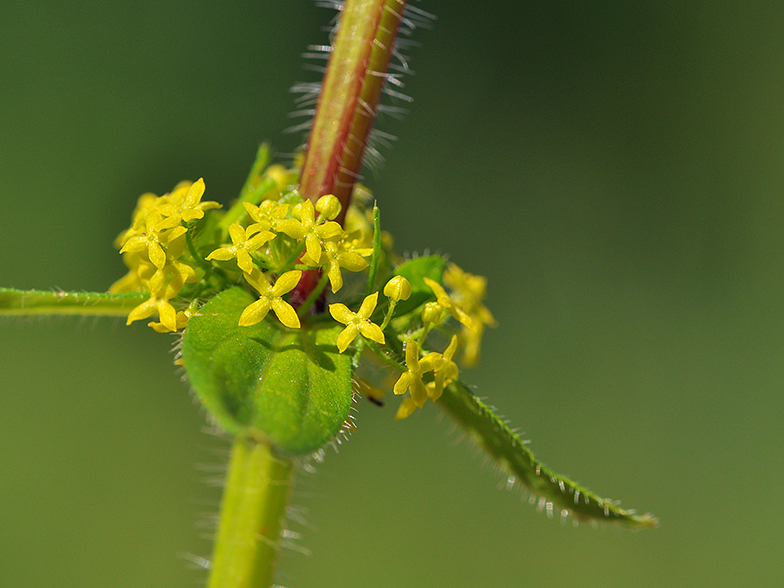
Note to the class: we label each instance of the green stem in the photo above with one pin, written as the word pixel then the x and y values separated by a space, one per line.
pixel 252 514
pixel 371 285
pixel 349 97
pixel 43 302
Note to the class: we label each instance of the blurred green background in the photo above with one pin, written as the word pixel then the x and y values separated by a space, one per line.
pixel 614 169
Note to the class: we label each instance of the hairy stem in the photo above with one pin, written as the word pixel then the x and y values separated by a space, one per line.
pixel 44 302
pixel 252 513
pixel 349 97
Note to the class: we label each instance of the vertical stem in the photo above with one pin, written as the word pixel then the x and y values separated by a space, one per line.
pixel 349 97
pixel 252 512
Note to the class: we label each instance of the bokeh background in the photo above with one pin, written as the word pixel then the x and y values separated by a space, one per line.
pixel 614 169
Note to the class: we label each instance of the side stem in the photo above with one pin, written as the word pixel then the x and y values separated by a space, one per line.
pixel 47 302
pixel 252 513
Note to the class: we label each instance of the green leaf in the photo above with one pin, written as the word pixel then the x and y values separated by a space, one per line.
pixel 290 387
pixel 414 271
pixel 554 493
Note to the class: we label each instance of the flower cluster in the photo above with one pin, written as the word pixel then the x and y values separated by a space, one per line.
pixel 469 291
pixel 153 248
pixel 268 241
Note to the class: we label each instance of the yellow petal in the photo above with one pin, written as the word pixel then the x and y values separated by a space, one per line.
pixel 156 254
pixel 142 311
pixel 313 245
pixel 372 331
pixel 259 281
pixel 418 393
pixel 412 355
pixel 168 315
pixel 244 261
pixel 335 277
pixel 195 192
pixel 341 313
pixel 291 227
pixel 403 382
pixel 368 306
pixel 352 262
pixel 346 336
pixel 222 254
pixel 407 407
pixel 285 313
pixel 254 313
pixel 237 234
pixel 287 282
pixel 450 350
pixel 329 230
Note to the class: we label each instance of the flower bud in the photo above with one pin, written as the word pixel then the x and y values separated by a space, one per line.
pixel 328 206
pixel 398 288
pixel 431 313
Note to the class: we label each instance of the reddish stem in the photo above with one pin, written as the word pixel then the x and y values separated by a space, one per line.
pixel 346 108
pixel 349 97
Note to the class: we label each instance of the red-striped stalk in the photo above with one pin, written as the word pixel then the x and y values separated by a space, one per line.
pixel 349 98
pixel 346 108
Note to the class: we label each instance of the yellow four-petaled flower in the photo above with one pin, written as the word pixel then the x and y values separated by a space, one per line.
pixel 307 228
pixel 357 322
pixel 270 297
pixel 411 380
pixel 244 242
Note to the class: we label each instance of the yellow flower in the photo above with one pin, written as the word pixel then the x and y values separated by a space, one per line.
pixel 470 290
pixel 357 322
pixel 267 214
pixel 308 229
pixel 164 285
pixel 184 203
pixel 446 372
pixel 432 313
pixel 411 379
pixel 271 298
pixel 329 206
pixel 156 303
pixel 444 301
pixel 243 243
pixel 156 233
pixel 396 289
pixel 144 205
pixel 335 256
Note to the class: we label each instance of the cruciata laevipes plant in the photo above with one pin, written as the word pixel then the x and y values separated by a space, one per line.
pixel 283 295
